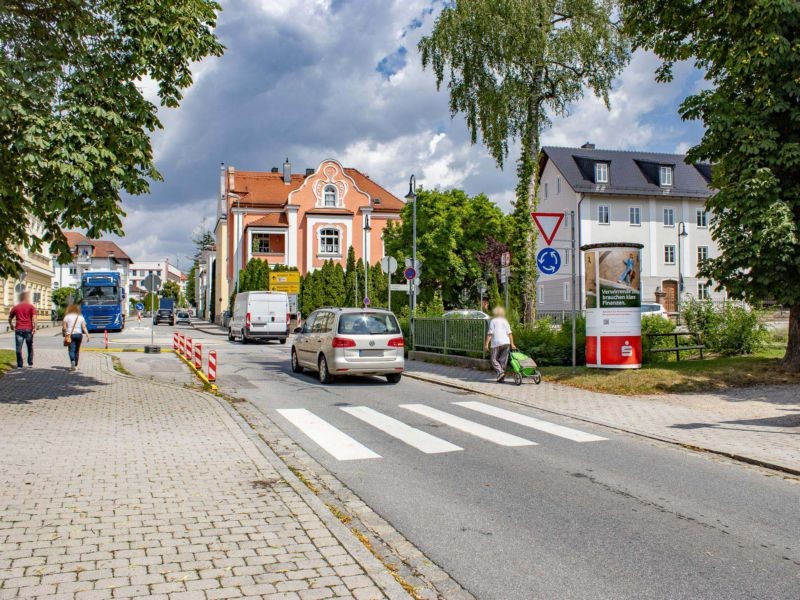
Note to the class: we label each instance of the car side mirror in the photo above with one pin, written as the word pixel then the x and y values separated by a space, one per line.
pixel 298 330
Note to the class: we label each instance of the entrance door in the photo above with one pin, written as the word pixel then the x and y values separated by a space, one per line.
pixel 669 301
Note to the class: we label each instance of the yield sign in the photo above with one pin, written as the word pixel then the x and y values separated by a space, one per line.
pixel 548 224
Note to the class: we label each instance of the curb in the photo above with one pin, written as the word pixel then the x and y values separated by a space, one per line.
pixel 733 456
pixel 209 331
pixel 198 372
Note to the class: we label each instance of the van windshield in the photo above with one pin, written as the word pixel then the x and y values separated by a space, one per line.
pixel 368 324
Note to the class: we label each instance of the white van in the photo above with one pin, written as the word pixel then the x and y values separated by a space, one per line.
pixel 260 316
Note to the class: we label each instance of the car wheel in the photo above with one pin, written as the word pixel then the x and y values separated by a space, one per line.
pixel 325 376
pixel 282 340
pixel 393 377
pixel 296 366
pixel 244 337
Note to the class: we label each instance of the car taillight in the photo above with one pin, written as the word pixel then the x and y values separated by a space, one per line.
pixel 340 342
pixel 247 320
pixel 397 342
pixel 288 317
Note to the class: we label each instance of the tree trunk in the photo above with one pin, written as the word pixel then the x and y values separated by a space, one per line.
pixel 792 358
pixel 533 149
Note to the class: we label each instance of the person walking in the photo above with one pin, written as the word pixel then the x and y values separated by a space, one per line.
pixel 75 332
pixel 22 320
pixel 501 341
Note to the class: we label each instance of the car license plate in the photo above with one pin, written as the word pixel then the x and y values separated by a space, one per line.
pixel 370 353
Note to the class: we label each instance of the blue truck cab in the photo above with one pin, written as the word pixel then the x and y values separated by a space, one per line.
pixel 103 300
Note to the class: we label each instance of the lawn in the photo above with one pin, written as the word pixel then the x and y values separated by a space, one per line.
pixel 8 359
pixel 707 375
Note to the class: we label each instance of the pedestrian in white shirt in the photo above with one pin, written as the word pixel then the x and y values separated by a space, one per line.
pixel 75 333
pixel 501 341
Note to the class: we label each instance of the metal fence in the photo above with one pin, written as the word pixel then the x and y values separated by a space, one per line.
pixel 557 317
pixel 450 335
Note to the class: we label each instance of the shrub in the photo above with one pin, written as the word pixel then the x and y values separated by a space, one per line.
pixel 730 329
pixel 552 346
pixel 656 324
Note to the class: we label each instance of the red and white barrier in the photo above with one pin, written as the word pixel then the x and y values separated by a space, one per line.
pixel 198 356
pixel 189 352
pixel 212 365
pixel 175 341
pixel 181 342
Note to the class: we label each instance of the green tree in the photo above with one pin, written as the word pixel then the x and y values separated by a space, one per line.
pixel 75 125
pixel 204 240
pixel 751 114
pixel 350 283
pixel 62 296
pixel 191 290
pixel 254 276
pixel 510 63
pixel 171 290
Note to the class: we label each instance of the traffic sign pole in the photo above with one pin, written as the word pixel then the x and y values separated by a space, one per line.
pixel 574 307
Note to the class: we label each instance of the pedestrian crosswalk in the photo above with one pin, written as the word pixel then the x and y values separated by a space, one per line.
pixel 344 447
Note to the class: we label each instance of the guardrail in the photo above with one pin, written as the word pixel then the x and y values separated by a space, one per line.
pixel 450 335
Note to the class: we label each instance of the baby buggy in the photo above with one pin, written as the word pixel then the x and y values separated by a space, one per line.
pixel 523 365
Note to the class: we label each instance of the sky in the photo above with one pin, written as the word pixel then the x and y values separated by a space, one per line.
pixel 317 79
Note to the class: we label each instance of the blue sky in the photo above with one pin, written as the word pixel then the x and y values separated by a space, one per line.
pixel 312 79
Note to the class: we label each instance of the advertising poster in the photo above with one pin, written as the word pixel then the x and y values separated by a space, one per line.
pixel 613 297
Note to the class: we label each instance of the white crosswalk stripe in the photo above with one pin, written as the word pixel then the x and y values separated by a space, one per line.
pixel 335 442
pixel 425 442
pixel 551 428
pixel 467 426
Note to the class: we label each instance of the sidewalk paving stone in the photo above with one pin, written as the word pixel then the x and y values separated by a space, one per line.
pixel 758 424
pixel 113 486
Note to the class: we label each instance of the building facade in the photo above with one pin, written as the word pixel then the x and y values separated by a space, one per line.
pixel 36 278
pixel 162 269
pixel 653 199
pixel 298 220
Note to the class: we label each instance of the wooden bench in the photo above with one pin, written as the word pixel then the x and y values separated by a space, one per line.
pixel 676 348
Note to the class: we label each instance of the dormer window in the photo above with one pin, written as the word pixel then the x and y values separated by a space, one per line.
pixel 329 196
pixel 665 176
pixel 601 172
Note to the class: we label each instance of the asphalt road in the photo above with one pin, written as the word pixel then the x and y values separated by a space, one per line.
pixel 621 517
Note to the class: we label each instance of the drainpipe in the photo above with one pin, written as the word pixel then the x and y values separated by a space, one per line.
pixel 578 244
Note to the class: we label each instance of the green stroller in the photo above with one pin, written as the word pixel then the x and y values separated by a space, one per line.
pixel 523 365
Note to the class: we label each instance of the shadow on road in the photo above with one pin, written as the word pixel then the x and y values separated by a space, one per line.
pixel 23 386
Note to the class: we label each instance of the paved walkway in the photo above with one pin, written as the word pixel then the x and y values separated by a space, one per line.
pixel 117 487
pixel 760 424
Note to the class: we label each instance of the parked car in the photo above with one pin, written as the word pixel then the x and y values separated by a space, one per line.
pixel 260 316
pixel 164 315
pixel 183 318
pixel 349 341
pixel 466 313
pixel 653 308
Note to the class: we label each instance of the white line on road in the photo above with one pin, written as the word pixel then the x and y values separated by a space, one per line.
pixel 427 443
pixel 559 430
pixel 467 426
pixel 336 443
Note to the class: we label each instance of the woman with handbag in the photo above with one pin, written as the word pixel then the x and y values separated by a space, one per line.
pixel 75 333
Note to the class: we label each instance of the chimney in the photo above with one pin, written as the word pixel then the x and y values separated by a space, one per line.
pixel 231 178
pixel 588 146
pixel 309 172
pixel 287 172
pixel 274 170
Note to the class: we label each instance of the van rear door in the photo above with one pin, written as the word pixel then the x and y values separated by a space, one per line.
pixel 277 311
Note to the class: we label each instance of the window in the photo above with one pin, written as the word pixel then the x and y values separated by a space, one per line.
pixel 558 185
pixel 260 243
pixel 669 255
pixel 368 324
pixel 703 290
pixel 545 190
pixel 566 293
pixel 665 175
pixel 329 241
pixel 329 196
pixel 669 217
pixel 37 297
pixel 702 254
pixel 566 254
pixel 73 270
pixel 702 218
pixel 540 296
pixel 635 215
pixel 603 215
pixel 601 172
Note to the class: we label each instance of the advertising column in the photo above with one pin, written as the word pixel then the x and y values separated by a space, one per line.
pixel 613 289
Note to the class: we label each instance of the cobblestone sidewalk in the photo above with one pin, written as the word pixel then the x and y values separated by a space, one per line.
pixel 760 424
pixel 115 487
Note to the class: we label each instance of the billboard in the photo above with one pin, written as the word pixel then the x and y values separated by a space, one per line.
pixel 284 281
pixel 613 299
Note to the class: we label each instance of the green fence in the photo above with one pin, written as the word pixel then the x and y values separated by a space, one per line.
pixel 451 335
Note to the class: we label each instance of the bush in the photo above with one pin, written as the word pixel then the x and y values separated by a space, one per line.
pixel 730 330
pixel 656 324
pixel 552 346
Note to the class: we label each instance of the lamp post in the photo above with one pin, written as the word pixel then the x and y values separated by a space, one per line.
pixel 411 196
pixel 682 233
pixel 236 233
pixel 367 229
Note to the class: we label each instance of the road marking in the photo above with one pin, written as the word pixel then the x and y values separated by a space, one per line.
pixel 467 426
pixel 335 442
pixel 427 443
pixel 559 430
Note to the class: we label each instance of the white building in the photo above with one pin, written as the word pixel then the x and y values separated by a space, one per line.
pixel 91 255
pixel 654 199
pixel 158 268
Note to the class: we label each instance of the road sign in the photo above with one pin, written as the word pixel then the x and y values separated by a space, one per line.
pixel 548 224
pixel 139 306
pixel 505 259
pixel 367 301
pixel 389 264
pixel 549 261
pixel 151 283
pixel 410 263
pixel 410 273
pixel 284 281
pixel 399 287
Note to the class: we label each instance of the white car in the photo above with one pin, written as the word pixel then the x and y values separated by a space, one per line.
pixel 466 313
pixel 653 308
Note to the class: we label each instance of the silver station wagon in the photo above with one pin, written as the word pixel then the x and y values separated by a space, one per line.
pixel 349 341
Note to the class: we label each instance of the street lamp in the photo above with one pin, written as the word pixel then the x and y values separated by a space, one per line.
pixel 411 196
pixel 682 233
pixel 367 229
pixel 236 225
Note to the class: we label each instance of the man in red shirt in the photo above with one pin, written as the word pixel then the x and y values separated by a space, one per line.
pixel 24 314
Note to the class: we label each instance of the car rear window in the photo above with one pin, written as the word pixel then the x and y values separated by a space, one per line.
pixel 368 324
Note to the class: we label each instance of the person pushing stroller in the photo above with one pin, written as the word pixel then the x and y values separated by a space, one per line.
pixel 500 340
